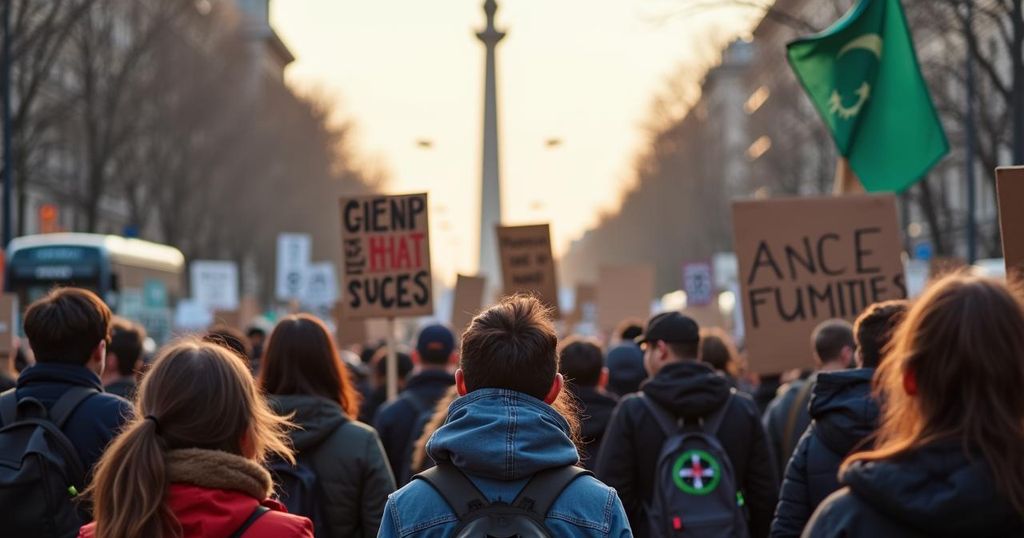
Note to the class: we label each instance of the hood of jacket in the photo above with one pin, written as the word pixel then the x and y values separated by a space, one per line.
pixel 936 490
pixel 503 435
pixel 688 389
pixel 597 410
pixel 316 417
pixel 843 408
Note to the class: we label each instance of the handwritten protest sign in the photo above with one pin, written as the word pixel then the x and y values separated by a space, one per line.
pixel 348 332
pixel 805 260
pixel 1010 188
pixel 386 246
pixel 214 284
pixel 469 297
pixel 698 283
pixel 527 265
pixel 623 292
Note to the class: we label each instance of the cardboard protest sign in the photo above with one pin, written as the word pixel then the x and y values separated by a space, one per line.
pixel 1010 189
pixel 624 291
pixel 229 318
pixel 805 260
pixel 294 252
pixel 386 245
pixel 527 265
pixel 583 309
pixel 321 286
pixel 348 332
pixel 944 265
pixel 8 303
pixel 214 284
pixel 698 283
pixel 707 316
pixel 469 298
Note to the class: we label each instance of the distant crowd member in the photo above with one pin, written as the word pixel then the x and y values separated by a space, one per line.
pixel 503 440
pixel 787 416
pixel 685 396
pixel 397 421
pixel 305 380
pixel 378 378
pixel 718 351
pixel 8 371
pixel 420 460
pixel 256 337
pixel 625 369
pixel 844 415
pixel 68 331
pixel 629 329
pixel 947 458
pixel 178 472
pixel 124 358
pixel 232 339
pixel 581 363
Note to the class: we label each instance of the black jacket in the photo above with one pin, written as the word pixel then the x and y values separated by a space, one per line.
pixel 596 410
pixel 397 421
pixel 95 421
pixel 776 418
pixel 633 440
pixel 346 456
pixel 844 414
pixel 935 491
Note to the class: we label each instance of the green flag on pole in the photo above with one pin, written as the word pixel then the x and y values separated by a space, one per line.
pixel 863 77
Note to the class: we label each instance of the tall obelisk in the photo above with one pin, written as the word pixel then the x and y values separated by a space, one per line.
pixel 490 188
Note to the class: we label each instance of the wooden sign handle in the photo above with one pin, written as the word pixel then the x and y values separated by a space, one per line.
pixel 392 362
pixel 846 181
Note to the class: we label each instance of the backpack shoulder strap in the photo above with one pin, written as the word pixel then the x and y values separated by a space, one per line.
pixel 713 422
pixel 545 487
pixel 256 514
pixel 67 403
pixel 799 403
pixel 458 491
pixel 8 407
pixel 668 423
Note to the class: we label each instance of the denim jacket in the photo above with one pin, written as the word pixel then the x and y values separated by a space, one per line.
pixel 499 439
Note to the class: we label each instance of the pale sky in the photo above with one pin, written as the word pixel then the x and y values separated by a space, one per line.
pixel 582 71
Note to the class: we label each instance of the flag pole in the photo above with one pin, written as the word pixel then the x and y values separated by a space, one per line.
pixel 846 181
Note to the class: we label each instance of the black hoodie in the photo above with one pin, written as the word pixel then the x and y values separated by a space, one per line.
pixel 689 389
pixel 935 491
pixel 844 414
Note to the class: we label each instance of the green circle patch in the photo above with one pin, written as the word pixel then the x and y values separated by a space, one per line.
pixel 696 472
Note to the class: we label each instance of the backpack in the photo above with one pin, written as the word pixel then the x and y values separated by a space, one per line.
pixel 297 487
pixel 40 471
pixel 695 490
pixel 424 412
pixel 479 518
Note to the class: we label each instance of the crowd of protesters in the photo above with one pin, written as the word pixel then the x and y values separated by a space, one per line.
pixel 911 424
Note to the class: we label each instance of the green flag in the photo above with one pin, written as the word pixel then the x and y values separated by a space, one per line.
pixel 863 77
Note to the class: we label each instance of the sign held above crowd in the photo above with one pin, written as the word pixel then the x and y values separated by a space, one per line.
pixel 527 264
pixel 806 260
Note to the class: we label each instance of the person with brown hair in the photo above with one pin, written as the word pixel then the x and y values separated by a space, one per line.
pixel 843 414
pixel 581 361
pixel 124 357
pixel 503 441
pixel 306 380
pixel 189 461
pixel 947 457
pixel 718 351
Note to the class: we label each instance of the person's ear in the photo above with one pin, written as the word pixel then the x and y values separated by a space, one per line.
pixel 602 381
pixel 910 382
pixel 556 387
pixel 111 361
pixel 661 350
pixel 416 358
pixel 99 355
pixel 460 382
pixel 848 356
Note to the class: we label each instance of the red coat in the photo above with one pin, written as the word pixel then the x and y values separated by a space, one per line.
pixel 217 513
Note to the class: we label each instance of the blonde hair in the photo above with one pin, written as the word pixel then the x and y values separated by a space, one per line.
pixel 196 395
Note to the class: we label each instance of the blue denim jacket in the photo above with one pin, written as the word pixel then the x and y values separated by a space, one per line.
pixel 500 438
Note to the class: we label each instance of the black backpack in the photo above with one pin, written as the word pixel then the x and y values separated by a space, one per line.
pixel 479 518
pixel 40 472
pixel 298 488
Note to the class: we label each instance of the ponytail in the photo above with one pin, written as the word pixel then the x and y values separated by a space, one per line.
pixel 130 485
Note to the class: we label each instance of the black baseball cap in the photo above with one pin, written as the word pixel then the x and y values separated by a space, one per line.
pixel 435 343
pixel 670 327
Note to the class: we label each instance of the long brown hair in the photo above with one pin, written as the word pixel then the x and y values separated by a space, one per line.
pixel 717 350
pixel 196 395
pixel 301 359
pixel 963 341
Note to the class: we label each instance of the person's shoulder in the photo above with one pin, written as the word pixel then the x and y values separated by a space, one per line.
pixel 276 523
pixel 354 430
pixel 587 502
pixel 835 513
pixel 109 407
pixel 745 403
pixel 418 506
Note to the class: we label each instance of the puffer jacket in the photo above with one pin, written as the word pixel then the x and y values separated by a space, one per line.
pixel 844 414
pixel 936 491
pixel 688 389
pixel 348 459
pixel 500 438
pixel 212 494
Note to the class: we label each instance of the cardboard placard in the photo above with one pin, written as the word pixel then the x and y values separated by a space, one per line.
pixel 1010 189
pixel 294 252
pixel 527 264
pixel 386 245
pixel 583 308
pixel 230 318
pixel 215 284
pixel 623 292
pixel 469 298
pixel 805 260
pixel 348 332
pixel 942 266
pixel 707 316
pixel 8 303
pixel 698 283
